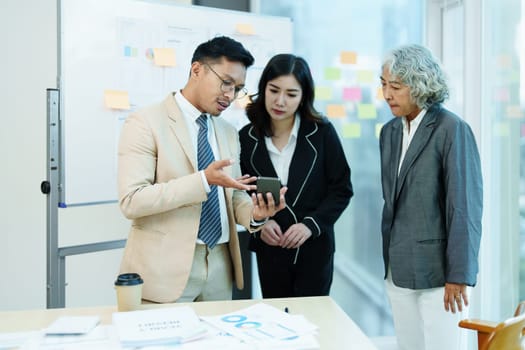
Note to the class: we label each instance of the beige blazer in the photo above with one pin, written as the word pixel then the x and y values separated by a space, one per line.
pixel 161 191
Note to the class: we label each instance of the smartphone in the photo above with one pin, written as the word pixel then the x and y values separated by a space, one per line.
pixel 269 184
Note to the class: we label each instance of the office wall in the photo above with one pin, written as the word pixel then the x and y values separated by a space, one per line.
pixel 28 67
pixel 28 30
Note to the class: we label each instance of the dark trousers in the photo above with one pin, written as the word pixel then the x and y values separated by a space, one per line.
pixel 310 275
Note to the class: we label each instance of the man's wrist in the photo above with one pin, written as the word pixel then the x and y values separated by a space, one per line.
pixel 257 223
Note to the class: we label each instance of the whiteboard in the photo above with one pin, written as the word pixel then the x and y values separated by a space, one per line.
pixel 108 46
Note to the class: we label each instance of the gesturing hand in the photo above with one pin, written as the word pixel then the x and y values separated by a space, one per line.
pixel 216 175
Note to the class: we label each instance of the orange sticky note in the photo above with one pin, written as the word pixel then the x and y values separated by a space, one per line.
pixel 245 28
pixel 504 61
pixel 116 99
pixel 348 57
pixel 243 102
pixel 514 111
pixel 335 111
pixel 164 57
pixel 379 94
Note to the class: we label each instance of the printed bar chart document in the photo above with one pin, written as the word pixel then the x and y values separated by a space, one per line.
pixel 174 325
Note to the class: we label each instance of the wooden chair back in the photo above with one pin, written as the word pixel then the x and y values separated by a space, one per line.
pixel 520 309
pixel 510 331
pixel 507 335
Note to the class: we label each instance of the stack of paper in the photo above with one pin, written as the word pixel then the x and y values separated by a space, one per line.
pixel 163 326
pixel 72 325
pixel 264 326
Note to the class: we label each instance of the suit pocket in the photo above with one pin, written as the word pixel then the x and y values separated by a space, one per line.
pixel 432 241
pixel 430 263
pixel 145 243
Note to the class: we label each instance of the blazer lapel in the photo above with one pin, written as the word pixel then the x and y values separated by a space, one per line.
pixel 395 145
pixel 416 146
pixel 222 142
pixel 259 158
pixel 180 129
pixel 303 161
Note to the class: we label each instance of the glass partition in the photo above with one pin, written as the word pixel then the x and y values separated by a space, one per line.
pixel 344 43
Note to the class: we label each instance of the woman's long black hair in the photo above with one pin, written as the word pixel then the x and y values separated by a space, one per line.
pixel 279 65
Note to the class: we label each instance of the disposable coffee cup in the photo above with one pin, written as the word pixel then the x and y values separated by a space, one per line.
pixel 129 291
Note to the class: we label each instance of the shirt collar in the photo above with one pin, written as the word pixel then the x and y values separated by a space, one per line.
pixel 415 122
pixel 186 107
pixel 295 129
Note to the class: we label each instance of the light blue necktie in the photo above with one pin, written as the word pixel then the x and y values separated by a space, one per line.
pixel 210 224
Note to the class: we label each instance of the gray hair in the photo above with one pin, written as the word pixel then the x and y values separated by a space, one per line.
pixel 416 67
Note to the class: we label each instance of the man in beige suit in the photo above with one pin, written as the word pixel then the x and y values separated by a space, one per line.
pixel 164 185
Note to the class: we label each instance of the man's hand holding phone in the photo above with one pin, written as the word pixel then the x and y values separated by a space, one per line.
pixel 270 185
pixel 269 198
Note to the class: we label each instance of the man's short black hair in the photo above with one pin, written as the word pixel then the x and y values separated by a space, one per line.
pixel 222 46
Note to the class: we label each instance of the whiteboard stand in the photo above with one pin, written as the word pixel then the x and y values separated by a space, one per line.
pixel 52 187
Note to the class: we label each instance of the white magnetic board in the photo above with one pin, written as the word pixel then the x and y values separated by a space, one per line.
pixel 108 46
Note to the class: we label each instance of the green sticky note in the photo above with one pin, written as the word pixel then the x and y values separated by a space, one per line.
pixel 379 126
pixel 365 76
pixel 351 130
pixel 501 129
pixel 323 93
pixel 366 111
pixel 332 73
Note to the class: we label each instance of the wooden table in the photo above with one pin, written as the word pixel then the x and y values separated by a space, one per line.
pixel 336 329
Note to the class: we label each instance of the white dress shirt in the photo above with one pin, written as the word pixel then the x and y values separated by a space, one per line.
pixel 281 159
pixel 408 134
pixel 190 114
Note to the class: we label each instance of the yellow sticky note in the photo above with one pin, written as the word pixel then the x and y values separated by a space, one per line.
pixel 379 94
pixel 351 130
pixel 335 111
pixel 323 93
pixel 379 126
pixel 504 61
pixel 242 102
pixel 366 111
pixel 164 56
pixel 348 57
pixel 365 76
pixel 501 129
pixel 514 111
pixel 332 73
pixel 116 99
pixel 245 28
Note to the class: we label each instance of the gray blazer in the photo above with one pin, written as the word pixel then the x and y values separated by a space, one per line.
pixel 431 223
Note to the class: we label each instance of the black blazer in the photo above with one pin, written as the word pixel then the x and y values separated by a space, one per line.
pixel 319 186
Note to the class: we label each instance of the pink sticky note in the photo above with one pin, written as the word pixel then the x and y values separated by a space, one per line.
pixel 352 94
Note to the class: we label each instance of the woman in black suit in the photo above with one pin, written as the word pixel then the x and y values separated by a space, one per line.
pixel 289 139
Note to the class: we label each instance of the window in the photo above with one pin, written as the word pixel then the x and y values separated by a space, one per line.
pixel 344 48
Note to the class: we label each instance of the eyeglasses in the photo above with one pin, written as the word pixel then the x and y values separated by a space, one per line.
pixel 228 86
